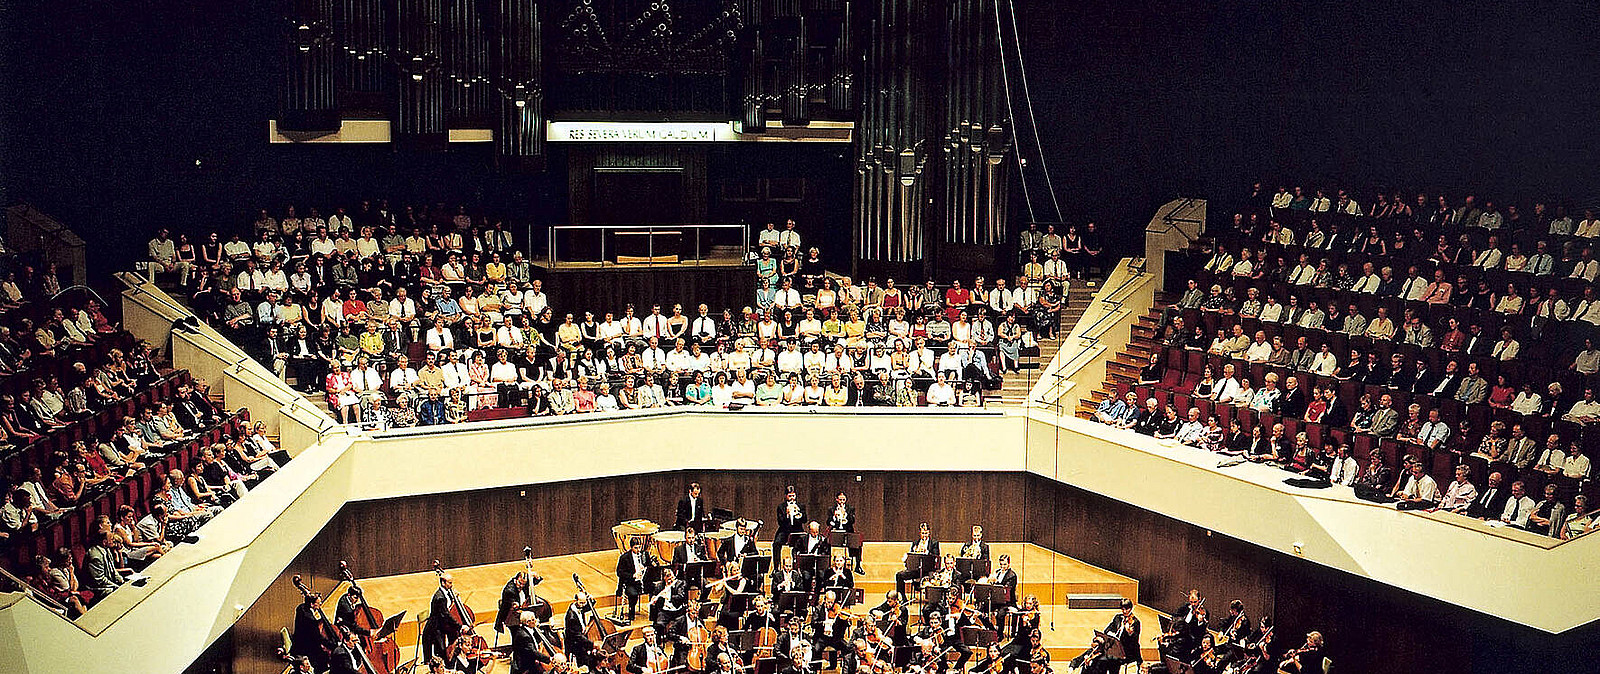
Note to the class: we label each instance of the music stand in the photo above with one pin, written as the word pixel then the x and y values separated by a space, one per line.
pixel 1176 666
pixel 793 602
pixel 919 563
pixel 988 595
pixel 813 565
pixel 740 602
pixel 973 635
pixel 970 567
pixel 766 665
pixel 793 542
pixel 903 654
pixel 934 595
pixel 720 515
pixel 855 596
pixel 695 573
pixel 755 566
pixel 845 539
pixel 1113 645
pixel 707 610
pixel 390 626
pixel 616 641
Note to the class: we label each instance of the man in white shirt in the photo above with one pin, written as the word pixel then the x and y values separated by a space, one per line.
pixel 786 297
pixel 1414 287
pixel 653 358
pixel 1518 507
pixel 1434 432
pixel 1419 492
pixel 403 377
pixel 1303 273
pixel 1192 431
pixel 1586 411
pixel 1260 350
pixel 322 245
pixel 767 237
pixel 703 329
pixel 1461 492
pixel 790 360
pixel 679 360
pixel 1368 283
pixel 534 300
pixel 1587 267
pixel 1228 387
pixel 1577 464
pixel 164 258
pixel 655 325
pixel 789 237
pixel 1345 468
pixel 940 393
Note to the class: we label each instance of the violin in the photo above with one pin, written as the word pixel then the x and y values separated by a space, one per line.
pixel 459 611
pixel 383 653
pixel 470 647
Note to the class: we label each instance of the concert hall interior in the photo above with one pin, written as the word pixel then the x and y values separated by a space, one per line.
pixel 799 337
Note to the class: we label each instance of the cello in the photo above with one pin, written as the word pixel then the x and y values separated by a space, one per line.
pixel 331 634
pixel 699 641
pixel 382 652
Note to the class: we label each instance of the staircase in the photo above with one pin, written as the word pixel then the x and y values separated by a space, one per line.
pixel 1124 367
pixel 1014 389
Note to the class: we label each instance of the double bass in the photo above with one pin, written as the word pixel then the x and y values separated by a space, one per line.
pixel 598 631
pixel 330 633
pixel 467 644
pixel 382 652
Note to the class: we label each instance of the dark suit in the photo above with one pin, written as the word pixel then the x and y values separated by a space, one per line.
pixel 1490 502
pixel 574 636
pixel 511 597
pixel 691 512
pixel 668 604
pixel 1008 579
pixel 841 577
pixel 680 558
pixel 525 652
pixel 1337 414
pixel 967 550
pixel 793 580
pixel 308 639
pixel 813 546
pixel 1293 403
pixel 441 628
pixel 629 579
pixel 787 524
pixel 846 524
pixel 639 658
pixel 901 576
pixel 344 661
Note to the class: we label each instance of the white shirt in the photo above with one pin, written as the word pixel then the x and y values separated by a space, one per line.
pixel 703 327
pixel 1367 284
pixel 402 377
pixel 1586 270
pixel 1258 352
pixel 941 394
pixel 533 302
pixel 403 309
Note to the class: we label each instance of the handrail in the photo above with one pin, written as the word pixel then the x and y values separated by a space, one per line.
pixel 29 590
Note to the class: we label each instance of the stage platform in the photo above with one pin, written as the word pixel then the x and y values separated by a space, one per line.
pixel 1051 576
pixel 576 287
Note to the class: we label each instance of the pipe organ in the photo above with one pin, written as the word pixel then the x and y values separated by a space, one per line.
pixel 921 80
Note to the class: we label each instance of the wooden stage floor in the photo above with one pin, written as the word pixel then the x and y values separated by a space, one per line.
pixel 1050 576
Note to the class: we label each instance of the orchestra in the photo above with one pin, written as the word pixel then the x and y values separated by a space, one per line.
pixel 718 610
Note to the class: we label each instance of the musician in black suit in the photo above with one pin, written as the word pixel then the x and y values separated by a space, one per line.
pixel 574 632
pixel 1124 627
pixel 308 640
pixel 670 600
pixel 346 657
pixel 843 518
pixel 838 577
pixel 1307 659
pixel 649 655
pixel 813 542
pixel 791 640
pixel 345 614
pixel 513 597
pixel 1005 577
pixel 1188 625
pixel 975 548
pixel 789 579
pixel 692 511
pixel 633 567
pixel 526 641
pixel 1238 631
pixel 949 626
pixel 693 551
pixel 738 546
pixel 925 544
pixel 892 612
pixel 791 519
pixel 442 626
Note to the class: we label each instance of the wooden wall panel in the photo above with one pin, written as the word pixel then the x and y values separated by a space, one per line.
pixel 1371 627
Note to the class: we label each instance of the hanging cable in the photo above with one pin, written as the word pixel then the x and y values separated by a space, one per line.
pixel 1005 79
pixel 1027 97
